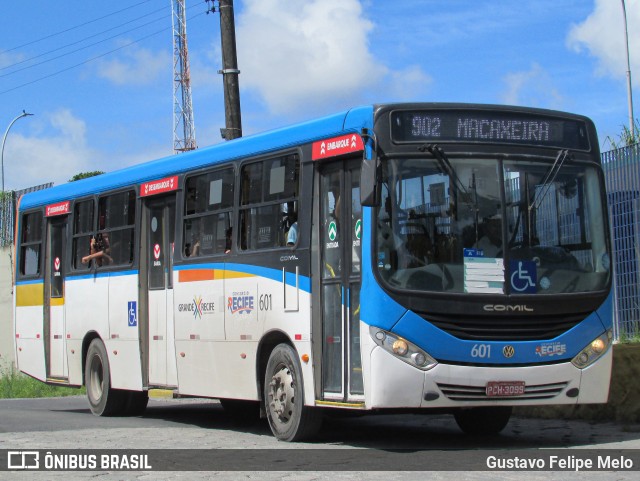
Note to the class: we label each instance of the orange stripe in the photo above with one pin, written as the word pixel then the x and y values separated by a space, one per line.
pixel 193 275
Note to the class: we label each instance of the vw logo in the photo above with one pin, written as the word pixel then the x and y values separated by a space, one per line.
pixel 508 351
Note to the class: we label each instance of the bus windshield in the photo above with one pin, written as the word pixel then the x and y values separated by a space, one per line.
pixel 492 225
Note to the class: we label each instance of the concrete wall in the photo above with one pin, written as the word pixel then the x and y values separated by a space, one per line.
pixel 7 355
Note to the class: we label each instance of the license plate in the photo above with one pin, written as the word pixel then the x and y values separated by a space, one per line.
pixel 502 388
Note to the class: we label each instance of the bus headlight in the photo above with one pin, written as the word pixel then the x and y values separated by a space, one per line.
pixel 402 349
pixel 593 351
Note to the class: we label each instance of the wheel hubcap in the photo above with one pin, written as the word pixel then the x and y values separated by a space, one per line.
pixel 282 394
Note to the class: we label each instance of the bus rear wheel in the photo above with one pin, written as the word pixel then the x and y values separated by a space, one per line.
pixel 103 399
pixel 483 420
pixel 289 419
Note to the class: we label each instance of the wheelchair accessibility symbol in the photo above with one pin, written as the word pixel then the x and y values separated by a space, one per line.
pixel 523 276
pixel 132 312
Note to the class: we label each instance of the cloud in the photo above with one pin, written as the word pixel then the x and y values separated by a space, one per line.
pixel 602 36
pixel 55 153
pixel 311 52
pixel 533 87
pixel 137 66
pixel 409 83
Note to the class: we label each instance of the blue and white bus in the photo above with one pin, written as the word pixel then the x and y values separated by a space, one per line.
pixel 428 256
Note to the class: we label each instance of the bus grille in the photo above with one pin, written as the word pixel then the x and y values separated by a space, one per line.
pixel 457 392
pixel 515 328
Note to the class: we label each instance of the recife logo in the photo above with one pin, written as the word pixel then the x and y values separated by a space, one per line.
pixel 198 307
pixel 240 303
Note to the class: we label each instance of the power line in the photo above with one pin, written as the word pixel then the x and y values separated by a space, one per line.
pixel 90 36
pixel 76 50
pixel 91 59
pixel 75 27
pixel 84 39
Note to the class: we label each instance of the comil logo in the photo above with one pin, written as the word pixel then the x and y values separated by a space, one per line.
pixel 23 460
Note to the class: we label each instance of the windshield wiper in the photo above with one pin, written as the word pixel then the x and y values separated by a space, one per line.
pixel 447 168
pixel 548 180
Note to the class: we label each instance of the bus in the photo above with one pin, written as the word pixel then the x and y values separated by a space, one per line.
pixel 426 257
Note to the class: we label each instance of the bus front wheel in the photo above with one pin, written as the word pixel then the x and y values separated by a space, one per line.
pixel 483 420
pixel 289 419
pixel 103 399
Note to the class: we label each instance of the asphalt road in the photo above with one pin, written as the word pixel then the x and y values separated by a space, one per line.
pixel 67 423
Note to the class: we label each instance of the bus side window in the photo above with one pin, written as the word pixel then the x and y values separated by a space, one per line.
pixel 208 208
pixel 83 233
pixel 269 199
pixel 116 224
pixel 31 244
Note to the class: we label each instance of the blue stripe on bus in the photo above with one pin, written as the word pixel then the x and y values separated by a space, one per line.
pixel 31 281
pixel 98 275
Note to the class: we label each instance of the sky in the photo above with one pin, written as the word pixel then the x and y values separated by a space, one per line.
pixel 98 76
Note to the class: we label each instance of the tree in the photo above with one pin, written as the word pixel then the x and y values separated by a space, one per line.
pixel 85 175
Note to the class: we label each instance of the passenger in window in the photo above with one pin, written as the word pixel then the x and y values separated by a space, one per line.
pixel 227 246
pixel 193 250
pixel 292 234
pixel 192 234
pixel 98 250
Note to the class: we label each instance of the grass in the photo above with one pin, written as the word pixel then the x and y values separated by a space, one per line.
pixel 14 384
pixel 630 337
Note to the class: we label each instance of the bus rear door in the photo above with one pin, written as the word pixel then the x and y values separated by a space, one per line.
pixel 156 290
pixel 54 311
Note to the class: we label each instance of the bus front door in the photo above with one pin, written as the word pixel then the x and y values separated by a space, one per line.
pixel 54 320
pixel 340 232
pixel 157 329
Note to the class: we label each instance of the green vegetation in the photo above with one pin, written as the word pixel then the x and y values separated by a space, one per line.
pixel 14 384
pixel 626 137
pixel 85 175
pixel 628 338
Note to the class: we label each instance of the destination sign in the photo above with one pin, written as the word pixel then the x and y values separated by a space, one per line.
pixel 488 126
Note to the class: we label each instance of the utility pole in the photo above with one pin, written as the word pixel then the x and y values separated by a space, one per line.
pixel 629 94
pixel 184 129
pixel 230 72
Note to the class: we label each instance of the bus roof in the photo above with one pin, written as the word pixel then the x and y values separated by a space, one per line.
pixel 347 121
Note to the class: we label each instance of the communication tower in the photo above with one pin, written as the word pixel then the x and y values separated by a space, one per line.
pixel 184 130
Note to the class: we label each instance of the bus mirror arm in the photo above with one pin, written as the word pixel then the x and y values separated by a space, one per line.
pixel 369 175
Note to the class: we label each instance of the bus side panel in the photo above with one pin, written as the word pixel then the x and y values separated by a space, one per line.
pixel 217 369
pixel 199 321
pixel 74 359
pixel 122 346
pixel 217 335
pixel 123 290
pixel 124 361
pixel 262 303
pixel 29 333
pixel 87 309
pixel 30 358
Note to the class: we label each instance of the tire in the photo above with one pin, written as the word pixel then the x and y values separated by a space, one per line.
pixel 483 420
pixel 135 403
pixel 103 399
pixel 289 419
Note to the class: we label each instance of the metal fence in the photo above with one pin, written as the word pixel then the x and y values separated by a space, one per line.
pixel 7 210
pixel 622 174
